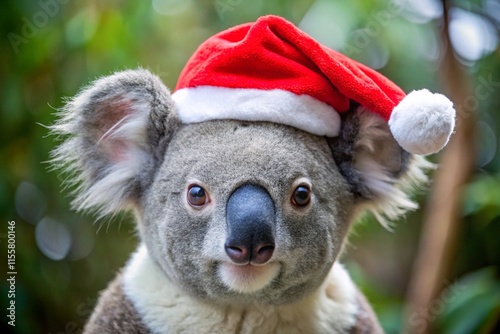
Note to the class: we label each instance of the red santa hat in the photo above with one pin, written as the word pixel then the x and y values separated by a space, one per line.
pixel 270 70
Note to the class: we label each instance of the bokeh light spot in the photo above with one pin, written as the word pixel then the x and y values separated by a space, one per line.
pixel 53 238
pixel 171 7
pixel 486 145
pixel 328 22
pixel 471 35
pixel 30 202
pixel 83 241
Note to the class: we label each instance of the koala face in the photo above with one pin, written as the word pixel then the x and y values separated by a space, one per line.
pixel 235 163
pixel 231 211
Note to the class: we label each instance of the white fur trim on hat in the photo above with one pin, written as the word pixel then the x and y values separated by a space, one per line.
pixel 304 112
pixel 422 122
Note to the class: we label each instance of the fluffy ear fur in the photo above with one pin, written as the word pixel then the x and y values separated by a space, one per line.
pixel 380 173
pixel 115 132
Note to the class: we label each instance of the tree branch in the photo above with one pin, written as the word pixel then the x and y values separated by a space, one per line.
pixel 442 219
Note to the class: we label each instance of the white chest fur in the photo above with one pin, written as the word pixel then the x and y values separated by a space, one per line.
pixel 167 309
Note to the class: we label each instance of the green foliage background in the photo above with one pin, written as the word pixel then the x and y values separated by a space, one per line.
pixel 82 40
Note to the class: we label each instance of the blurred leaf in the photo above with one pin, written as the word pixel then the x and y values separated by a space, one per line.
pixel 477 301
pixel 481 197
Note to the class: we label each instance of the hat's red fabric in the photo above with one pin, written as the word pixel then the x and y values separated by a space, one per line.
pixel 274 54
pixel 271 71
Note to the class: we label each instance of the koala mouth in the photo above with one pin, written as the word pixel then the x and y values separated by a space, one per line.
pixel 247 278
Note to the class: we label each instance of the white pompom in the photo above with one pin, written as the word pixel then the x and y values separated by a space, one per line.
pixel 422 122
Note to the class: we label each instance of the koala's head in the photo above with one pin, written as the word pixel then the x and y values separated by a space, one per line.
pixel 255 210
pixel 230 210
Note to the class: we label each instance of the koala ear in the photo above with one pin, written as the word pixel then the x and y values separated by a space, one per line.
pixel 115 133
pixel 379 172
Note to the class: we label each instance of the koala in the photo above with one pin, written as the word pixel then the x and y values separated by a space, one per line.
pixel 289 195
pixel 241 221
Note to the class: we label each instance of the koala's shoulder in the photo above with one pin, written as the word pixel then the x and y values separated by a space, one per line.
pixel 366 320
pixel 114 313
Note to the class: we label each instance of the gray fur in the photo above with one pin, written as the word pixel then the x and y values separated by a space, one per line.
pixel 114 313
pixel 379 172
pixel 241 152
pixel 366 320
pixel 124 143
pixel 90 150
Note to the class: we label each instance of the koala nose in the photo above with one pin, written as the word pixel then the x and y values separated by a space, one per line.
pixel 250 220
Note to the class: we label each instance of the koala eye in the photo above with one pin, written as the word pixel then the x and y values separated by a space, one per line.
pixel 301 196
pixel 197 196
